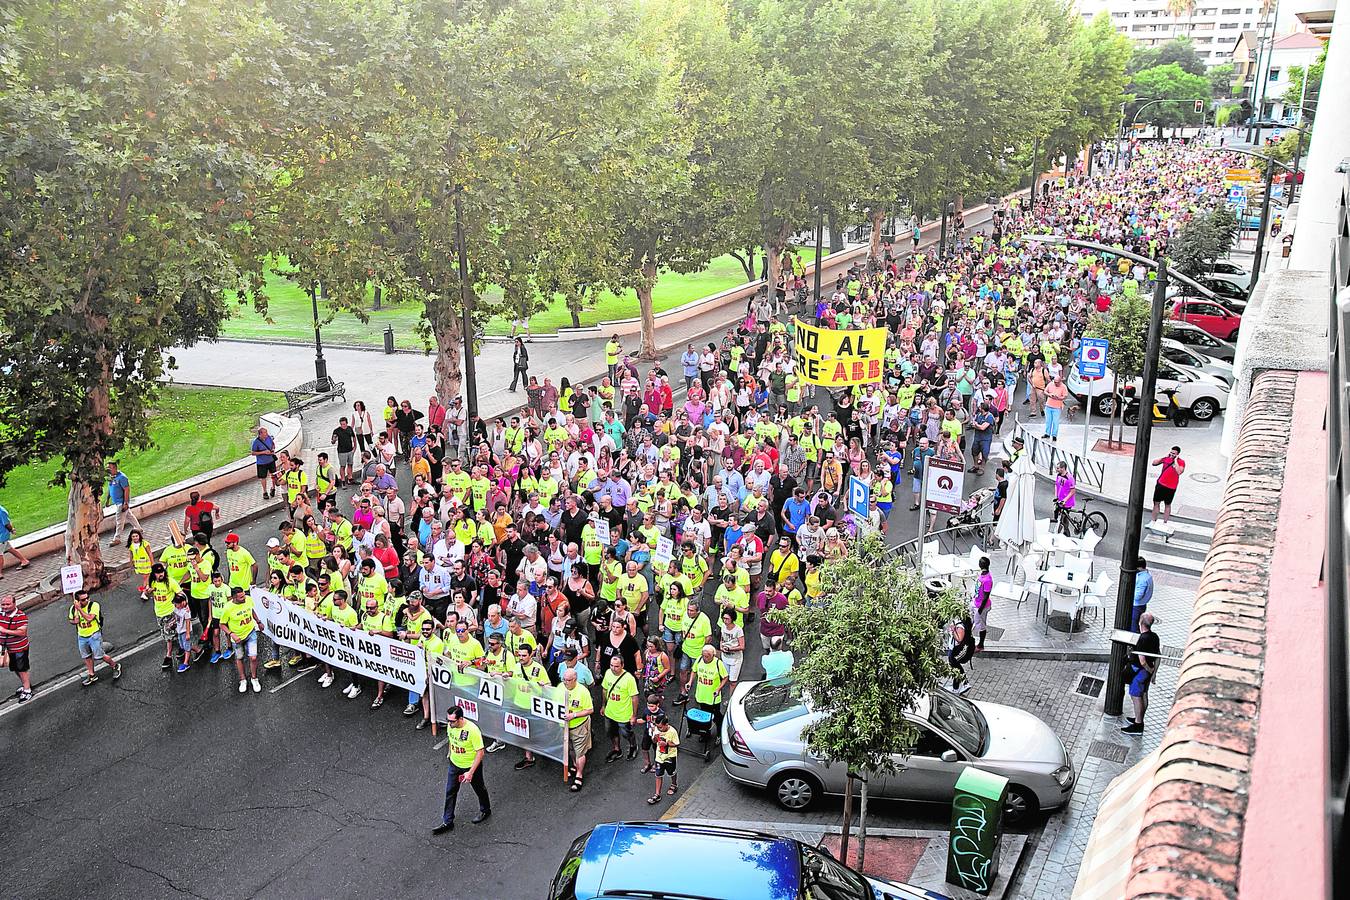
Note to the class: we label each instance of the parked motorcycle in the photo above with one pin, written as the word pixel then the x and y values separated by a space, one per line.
pixel 1165 408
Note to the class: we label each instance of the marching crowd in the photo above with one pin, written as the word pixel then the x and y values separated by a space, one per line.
pixel 628 544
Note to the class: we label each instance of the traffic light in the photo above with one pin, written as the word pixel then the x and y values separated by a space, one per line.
pixel 1199 106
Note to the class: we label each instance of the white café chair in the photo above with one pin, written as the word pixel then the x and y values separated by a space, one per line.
pixel 1088 544
pixel 1064 601
pixel 1010 590
pixel 1095 595
pixel 1080 567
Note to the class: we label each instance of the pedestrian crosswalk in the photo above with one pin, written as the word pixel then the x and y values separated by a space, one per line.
pixel 1182 551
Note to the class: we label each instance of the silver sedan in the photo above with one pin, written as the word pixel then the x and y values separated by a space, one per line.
pixel 762 746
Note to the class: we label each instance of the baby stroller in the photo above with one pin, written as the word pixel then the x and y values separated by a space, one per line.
pixel 970 520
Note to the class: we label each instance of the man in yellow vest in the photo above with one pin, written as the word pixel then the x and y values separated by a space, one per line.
pixel 465 753
pixel 612 350
pixel 87 617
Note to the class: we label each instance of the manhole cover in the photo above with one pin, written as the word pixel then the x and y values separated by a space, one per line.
pixel 1089 686
pixel 1106 750
pixel 1204 477
pixel 995 633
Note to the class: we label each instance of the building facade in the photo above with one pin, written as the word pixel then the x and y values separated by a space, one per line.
pixel 1212 25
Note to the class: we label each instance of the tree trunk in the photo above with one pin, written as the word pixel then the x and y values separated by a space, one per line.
pixel 574 308
pixel 848 819
pixel 647 347
pixel 379 296
pixel 878 217
pixel 448 330
pixel 746 258
pixel 836 235
pixel 1118 411
pixel 862 826
pixel 84 515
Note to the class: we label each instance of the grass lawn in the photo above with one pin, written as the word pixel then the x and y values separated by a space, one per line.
pixel 292 314
pixel 193 430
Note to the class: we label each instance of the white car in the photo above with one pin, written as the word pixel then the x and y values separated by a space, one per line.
pixel 1203 394
pixel 1188 358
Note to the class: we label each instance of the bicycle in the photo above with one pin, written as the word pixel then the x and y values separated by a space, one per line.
pixel 1078 521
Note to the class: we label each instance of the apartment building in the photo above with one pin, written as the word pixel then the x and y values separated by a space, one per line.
pixel 1213 25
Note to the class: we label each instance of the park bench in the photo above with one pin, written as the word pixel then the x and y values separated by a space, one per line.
pixel 312 393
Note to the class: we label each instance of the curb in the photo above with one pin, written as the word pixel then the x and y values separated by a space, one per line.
pixel 1045 653
pixel 39 596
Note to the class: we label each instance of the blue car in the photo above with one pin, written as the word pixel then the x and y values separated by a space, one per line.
pixel 642 860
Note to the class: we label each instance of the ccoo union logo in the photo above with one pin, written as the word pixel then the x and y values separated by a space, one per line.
pixel 402 654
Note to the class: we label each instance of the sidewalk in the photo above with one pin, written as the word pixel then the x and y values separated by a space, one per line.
pixel 1201 488
pixel 371 375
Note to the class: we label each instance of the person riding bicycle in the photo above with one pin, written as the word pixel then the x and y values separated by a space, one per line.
pixel 1066 495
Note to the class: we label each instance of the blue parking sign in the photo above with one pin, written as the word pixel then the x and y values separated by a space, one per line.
pixel 859 492
pixel 1092 357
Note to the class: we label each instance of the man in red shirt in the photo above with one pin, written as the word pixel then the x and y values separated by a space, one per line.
pixel 200 515
pixel 1168 478
pixel 14 644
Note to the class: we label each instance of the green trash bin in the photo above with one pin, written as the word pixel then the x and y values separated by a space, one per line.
pixel 977 826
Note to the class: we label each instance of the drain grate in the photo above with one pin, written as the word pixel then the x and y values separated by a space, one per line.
pixel 1116 753
pixel 995 633
pixel 1089 685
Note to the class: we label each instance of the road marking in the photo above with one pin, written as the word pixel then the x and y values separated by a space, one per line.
pixel 74 677
pixel 294 678
pixel 442 743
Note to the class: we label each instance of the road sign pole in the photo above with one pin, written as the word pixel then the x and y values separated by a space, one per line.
pixel 1087 422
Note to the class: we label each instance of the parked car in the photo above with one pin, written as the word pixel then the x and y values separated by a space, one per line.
pixel 1240 280
pixel 762 746
pixel 1196 338
pixel 1213 317
pixel 1226 267
pixel 1229 293
pixel 1203 395
pixel 642 860
pixel 1186 358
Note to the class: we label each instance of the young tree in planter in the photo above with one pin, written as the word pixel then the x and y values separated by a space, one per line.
pixel 135 168
pixel 865 655
pixel 1125 325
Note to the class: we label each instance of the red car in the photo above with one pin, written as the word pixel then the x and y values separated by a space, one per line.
pixel 1211 316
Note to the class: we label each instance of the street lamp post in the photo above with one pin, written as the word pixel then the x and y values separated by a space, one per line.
pixel 1035 155
pixel 321 382
pixel 465 302
pixel 1134 513
pixel 1271 163
pixel 820 238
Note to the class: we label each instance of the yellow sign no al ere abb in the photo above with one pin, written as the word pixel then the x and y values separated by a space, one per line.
pixel 838 358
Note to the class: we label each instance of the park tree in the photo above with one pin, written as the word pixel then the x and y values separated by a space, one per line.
pixel 815 146
pixel 137 148
pixel 1170 82
pixel 1099 55
pixel 696 134
pixel 1181 49
pixel 1221 78
pixel 1000 81
pixel 506 120
pixel 862 690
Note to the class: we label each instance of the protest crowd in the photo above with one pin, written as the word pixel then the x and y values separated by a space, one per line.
pixel 628 545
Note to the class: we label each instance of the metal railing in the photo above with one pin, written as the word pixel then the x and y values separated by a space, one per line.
pixel 1087 472
pixel 1338 548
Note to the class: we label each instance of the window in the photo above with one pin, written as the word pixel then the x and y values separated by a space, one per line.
pixel 1204 26
pixel 1227 26
pixel 931 744
pixel 1230 12
pixel 1274 75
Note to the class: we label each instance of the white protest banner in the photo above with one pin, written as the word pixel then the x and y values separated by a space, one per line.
pixel 513 710
pixel 665 550
pixel 373 655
